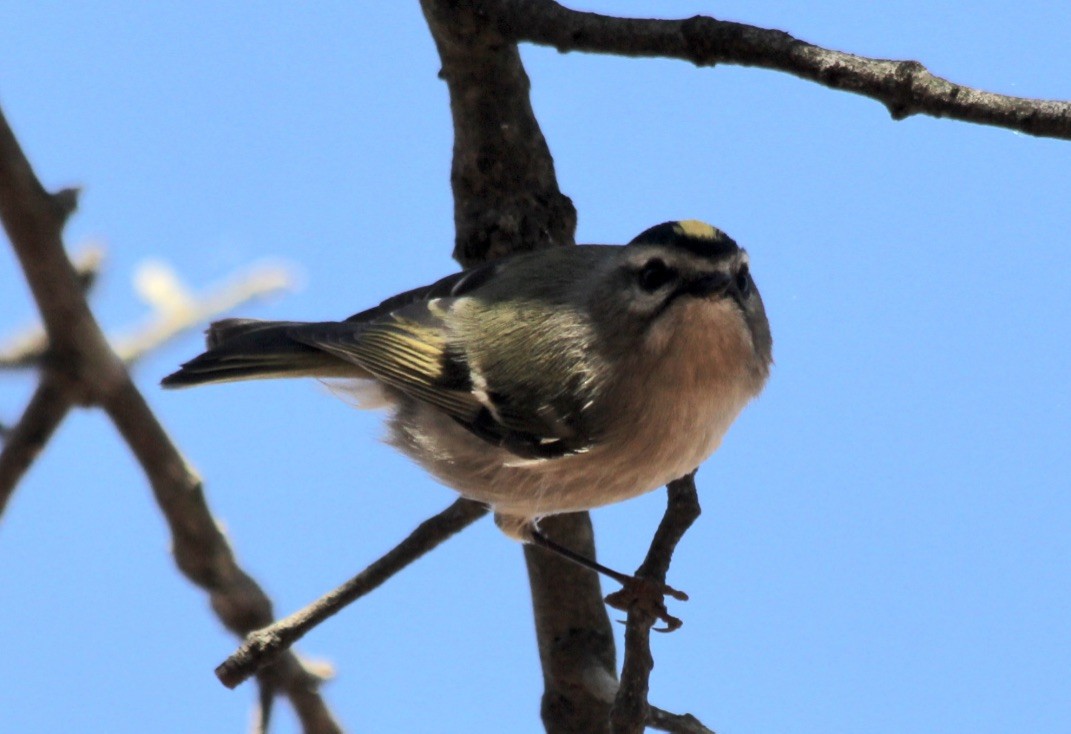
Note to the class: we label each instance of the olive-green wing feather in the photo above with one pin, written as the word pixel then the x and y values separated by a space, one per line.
pixel 408 350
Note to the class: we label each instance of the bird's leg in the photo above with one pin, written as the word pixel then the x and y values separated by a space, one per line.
pixel 645 594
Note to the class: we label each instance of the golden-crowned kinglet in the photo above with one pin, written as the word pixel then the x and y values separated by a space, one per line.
pixel 545 382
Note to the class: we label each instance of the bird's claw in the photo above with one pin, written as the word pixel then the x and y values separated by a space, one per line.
pixel 647 597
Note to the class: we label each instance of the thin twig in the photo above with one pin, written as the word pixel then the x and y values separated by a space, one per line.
pixel 264 645
pixel 175 309
pixel 676 723
pixel 905 87
pixel 630 712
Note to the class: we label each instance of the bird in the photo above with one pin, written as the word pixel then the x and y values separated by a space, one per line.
pixel 544 382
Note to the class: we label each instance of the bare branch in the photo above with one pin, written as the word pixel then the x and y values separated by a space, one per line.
pixel 81 363
pixel 28 348
pixel 576 643
pixel 631 711
pixel 905 87
pixel 200 549
pixel 23 443
pixel 264 645
pixel 506 196
pixel 175 309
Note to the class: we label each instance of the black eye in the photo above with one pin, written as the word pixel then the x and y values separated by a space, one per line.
pixel 743 281
pixel 655 274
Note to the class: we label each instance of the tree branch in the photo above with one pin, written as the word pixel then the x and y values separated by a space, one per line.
pixel 631 711
pixel 905 87
pixel 28 348
pixel 202 552
pixel 506 196
pixel 23 443
pixel 576 643
pixel 176 310
pixel 676 723
pixel 82 364
pixel 264 645
pixel 506 199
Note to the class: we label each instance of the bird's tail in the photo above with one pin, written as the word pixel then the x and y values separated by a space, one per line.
pixel 249 349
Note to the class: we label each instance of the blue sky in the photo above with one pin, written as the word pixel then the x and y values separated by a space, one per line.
pixel 885 542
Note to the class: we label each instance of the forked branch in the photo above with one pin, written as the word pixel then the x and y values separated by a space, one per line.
pixel 82 368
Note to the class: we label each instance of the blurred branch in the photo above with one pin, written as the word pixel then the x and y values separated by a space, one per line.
pixel 906 88
pixel 631 711
pixel 176 310
pixel 28 348
pixel 264 645
pixel 85 370
pixel 23 443
pixel 576 642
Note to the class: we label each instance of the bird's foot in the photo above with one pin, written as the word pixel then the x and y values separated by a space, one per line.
pixel 647 596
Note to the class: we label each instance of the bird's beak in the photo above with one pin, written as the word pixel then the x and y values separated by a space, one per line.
pixel 709 285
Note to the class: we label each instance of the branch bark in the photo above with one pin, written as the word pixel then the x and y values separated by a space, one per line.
pixel 906 88
pixel 506 196
pixel 576 642
pixel 28 349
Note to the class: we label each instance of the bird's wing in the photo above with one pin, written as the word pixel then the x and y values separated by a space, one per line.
pixel 406 343
pixel 406 349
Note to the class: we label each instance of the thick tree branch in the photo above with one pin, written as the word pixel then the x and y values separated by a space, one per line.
pixel 82 364
pixel 202 552
pixel 264 645
pixel 506 199
pixel 905 87
pixel 576 643
pixel 506 196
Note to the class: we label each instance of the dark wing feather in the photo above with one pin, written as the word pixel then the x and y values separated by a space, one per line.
pixel 404 343
pixel 524 444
